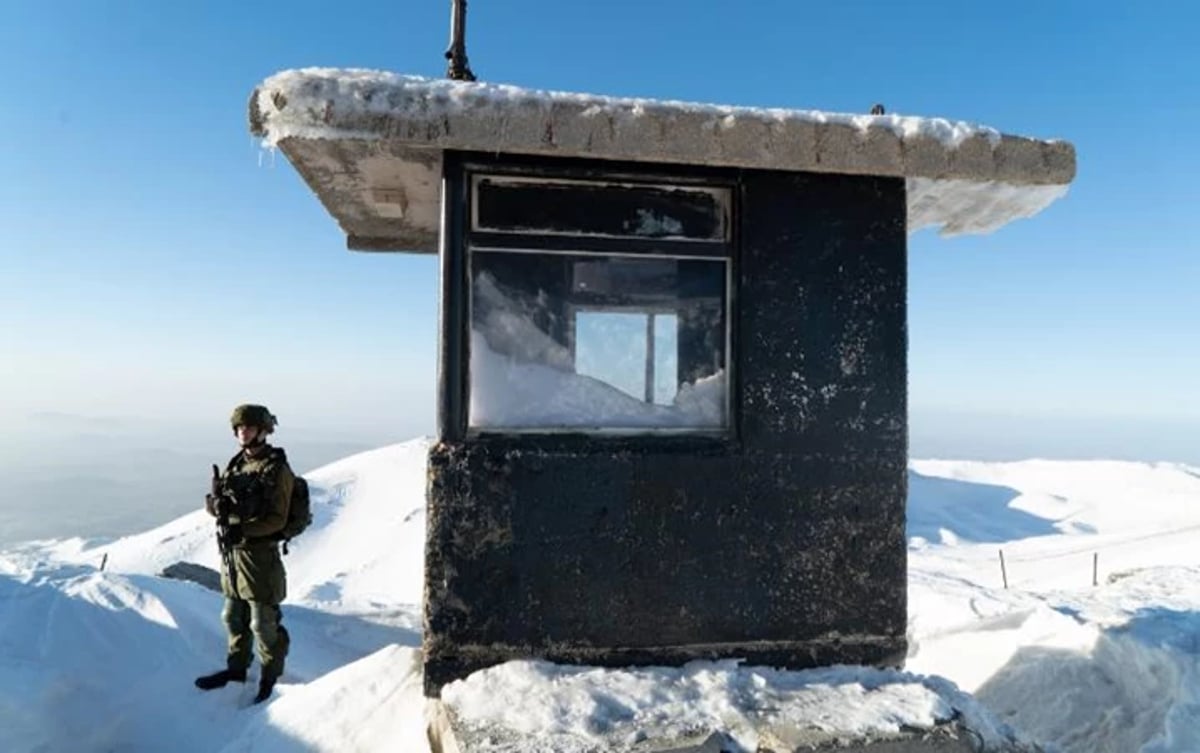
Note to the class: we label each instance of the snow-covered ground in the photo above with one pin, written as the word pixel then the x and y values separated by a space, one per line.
pixel 95 660
pixel 104 661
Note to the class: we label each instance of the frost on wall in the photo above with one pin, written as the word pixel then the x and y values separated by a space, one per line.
pixel 651 225
pixel 521 377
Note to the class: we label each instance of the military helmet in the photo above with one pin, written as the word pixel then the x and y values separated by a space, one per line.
pixel 253 415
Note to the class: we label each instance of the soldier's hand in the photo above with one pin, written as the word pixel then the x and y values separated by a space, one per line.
pixel 212 500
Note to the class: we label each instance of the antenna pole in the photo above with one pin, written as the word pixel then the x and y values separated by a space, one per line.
pixel 458 68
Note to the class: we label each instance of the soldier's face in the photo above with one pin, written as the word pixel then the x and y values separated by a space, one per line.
pixel 245 434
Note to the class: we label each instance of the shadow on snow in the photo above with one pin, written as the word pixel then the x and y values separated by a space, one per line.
pixel 979 513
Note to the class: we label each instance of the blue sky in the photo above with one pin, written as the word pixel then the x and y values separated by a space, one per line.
pixel 154 261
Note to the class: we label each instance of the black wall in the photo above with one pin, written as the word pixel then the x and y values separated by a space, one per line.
pixel 782 544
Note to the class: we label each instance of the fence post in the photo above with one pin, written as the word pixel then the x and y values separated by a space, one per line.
pixel 1003 571
pixel 1095 568
pixel 103 561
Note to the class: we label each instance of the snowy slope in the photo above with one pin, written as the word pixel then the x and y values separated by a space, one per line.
pixel 1113 667
pixel 101 661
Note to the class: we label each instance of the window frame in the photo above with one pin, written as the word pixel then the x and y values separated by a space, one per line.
pixel 460 243
pixel 475 177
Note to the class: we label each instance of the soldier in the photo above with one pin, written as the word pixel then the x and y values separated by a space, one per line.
pixel 250 502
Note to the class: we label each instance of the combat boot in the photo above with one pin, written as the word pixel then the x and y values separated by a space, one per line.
pixel 220 679
pixel 266 684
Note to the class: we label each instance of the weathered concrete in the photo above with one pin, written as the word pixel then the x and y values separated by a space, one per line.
pixel 369 143
pixel 946 737
pixel 448 734
pixel 782 544
pixel 385 196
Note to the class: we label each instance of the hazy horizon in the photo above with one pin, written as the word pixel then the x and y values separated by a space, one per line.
pixel 102 476
pixel 159 266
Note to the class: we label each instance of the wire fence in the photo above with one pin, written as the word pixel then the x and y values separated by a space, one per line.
pixel 1007 559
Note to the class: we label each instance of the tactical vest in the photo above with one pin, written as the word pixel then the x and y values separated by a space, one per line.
pixel 251 481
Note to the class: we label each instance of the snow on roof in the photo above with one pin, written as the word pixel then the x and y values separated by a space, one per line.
pixel 333 94
pixel 388 128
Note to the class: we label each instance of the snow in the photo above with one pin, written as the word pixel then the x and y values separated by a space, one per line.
pixel 1112 667
pixel 96 660
pixel 509 392
pixel 651 225
pixel 327 90
pixel 523 378
pixel 581 709
pixel 375 704
pixel 957 188
pixel 961 207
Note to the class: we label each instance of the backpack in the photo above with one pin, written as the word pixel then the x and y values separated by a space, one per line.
pixel 299 508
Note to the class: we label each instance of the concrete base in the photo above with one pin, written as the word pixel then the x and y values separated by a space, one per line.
pixel 448 735
pixel 951 737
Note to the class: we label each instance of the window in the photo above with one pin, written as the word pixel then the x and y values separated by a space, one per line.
pixel 584 334
pixel 513 204
pixel 648 370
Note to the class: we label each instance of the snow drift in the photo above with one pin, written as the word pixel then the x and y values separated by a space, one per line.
pixel 96 660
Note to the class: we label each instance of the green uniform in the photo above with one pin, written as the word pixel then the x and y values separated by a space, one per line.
pixel 262 485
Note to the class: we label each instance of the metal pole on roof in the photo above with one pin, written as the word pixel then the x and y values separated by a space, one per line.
pixel 458 69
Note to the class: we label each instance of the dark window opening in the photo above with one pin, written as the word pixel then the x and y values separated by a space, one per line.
pixel 587 339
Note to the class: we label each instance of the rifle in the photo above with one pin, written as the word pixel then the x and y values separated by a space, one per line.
pixel 228 534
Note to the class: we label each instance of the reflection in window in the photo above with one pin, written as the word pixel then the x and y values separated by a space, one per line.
pixel 613 347
pixel 572 341
pixel 665 380
pixel 633 352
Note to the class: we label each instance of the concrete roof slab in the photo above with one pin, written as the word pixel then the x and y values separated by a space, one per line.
pixel 370 144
